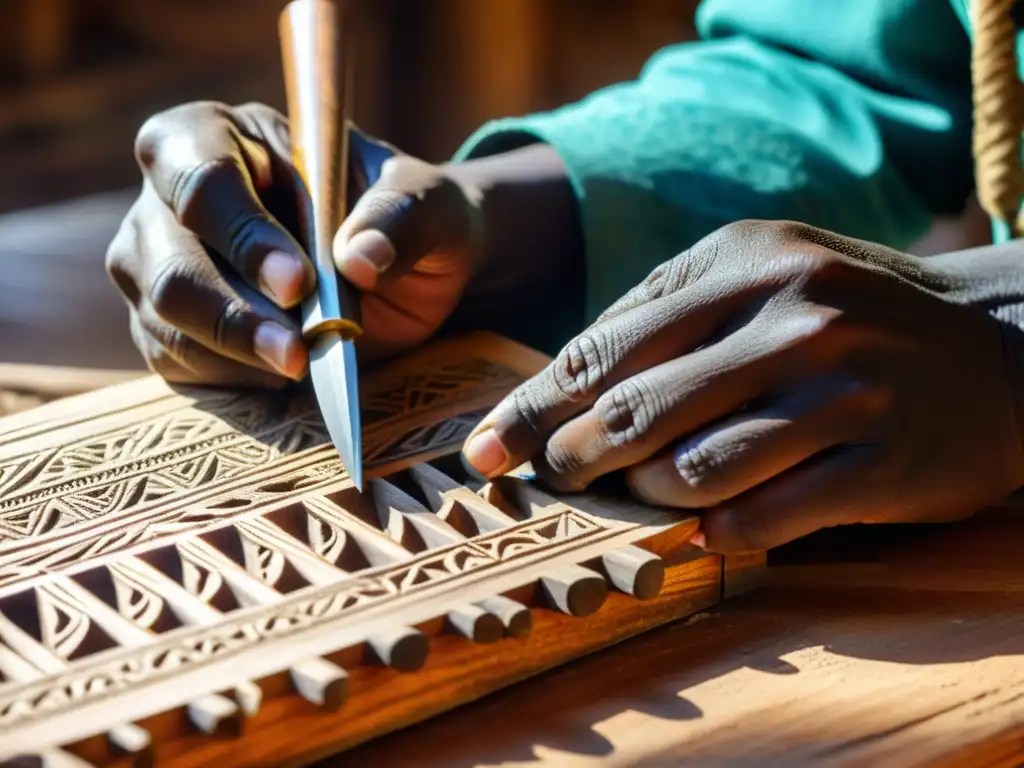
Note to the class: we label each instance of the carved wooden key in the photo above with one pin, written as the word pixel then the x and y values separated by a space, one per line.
pixel 189 576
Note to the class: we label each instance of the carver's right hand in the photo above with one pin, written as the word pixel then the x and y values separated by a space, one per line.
pixel 209 264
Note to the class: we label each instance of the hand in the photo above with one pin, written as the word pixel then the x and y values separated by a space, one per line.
pixel 210 268
pixel 781 379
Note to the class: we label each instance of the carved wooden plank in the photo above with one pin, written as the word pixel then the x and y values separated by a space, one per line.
pixel 190 576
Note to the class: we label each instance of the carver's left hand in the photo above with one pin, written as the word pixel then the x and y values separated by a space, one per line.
pixel 780 379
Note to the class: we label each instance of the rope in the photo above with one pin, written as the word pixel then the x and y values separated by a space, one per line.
pixel 998 112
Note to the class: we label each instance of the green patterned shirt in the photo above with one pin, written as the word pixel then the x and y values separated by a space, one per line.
pixel 851 115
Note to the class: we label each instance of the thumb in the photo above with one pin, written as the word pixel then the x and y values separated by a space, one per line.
pixel 409 210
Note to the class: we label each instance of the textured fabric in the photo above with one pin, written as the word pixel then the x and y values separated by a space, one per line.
pixel 852 115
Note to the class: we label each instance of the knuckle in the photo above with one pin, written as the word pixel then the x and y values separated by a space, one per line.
pixel 582 366
pixel 171 290
pixel 191 187
pixel 527 409
pixel 148 140
pixel 383 208
pixel 701 469
pixel 741 229
pixel 658 283
pixel 627 412
pixel 154 131
pixel 243 233
pixel 232 315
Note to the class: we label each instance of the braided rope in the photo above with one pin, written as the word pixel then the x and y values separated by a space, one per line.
pixel 998 110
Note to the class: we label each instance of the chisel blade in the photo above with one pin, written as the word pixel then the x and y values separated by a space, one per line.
pixel 332 366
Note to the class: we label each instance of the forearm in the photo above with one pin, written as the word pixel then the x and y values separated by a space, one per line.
pixel 530 282
pixel 766 118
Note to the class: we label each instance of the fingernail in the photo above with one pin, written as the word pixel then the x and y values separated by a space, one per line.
pixel 699 540
pixel 281 277
pixel 281 349
pixel 486 453
pixel 366 256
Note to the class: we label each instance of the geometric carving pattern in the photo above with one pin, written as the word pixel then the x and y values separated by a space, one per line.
pixel 199 551
pixel 94 681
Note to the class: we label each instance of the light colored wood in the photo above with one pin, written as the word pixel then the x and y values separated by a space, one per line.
pixel 127 738
pixel 197 564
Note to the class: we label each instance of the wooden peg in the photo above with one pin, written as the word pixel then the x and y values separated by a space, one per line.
pixel 215 715
pixel 249 698
pixel 635 571
pixel 403 648
pixel 133 741
pixel 575 590
pixel 476 624
pixel 515 617
pixel 321 682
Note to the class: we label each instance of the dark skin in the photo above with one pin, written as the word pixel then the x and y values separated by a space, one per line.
pixel 776 377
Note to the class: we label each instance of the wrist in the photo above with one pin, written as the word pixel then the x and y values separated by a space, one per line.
pixel 529 243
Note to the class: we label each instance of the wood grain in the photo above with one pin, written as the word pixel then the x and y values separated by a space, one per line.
pixel 867 646
pixel 193 576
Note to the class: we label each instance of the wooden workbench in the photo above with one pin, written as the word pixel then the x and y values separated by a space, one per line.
pixel 871 646
pixel 877 645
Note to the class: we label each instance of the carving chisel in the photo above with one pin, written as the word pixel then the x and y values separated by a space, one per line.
pixel 318 90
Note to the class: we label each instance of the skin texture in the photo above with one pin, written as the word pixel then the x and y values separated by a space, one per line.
pixel 782 379
pixel 212 273
pixel 776 377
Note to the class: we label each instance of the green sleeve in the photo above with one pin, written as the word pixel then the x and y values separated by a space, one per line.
pixel 851 115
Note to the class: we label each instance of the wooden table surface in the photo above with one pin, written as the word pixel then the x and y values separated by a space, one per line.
pixel 869 646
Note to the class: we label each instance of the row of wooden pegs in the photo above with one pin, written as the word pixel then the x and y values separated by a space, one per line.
pixel 451 513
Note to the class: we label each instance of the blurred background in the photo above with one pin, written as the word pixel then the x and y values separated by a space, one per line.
pixel 78 77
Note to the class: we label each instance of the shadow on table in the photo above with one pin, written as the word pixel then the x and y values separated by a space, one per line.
pixel 909 596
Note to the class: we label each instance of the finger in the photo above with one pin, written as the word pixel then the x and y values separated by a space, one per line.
pixel 180 360
pixel 607 354
pixel 666 278
pixel 411 211
pixel 746 450
pixel 185 289
pixel 643 414
pixel 203 167
pixel 834 488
